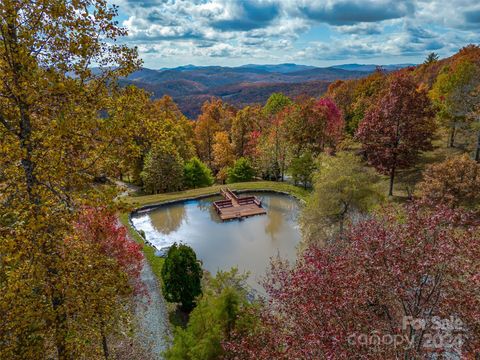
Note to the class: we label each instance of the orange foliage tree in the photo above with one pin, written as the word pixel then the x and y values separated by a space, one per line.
pixel 453 182
pixel 215 116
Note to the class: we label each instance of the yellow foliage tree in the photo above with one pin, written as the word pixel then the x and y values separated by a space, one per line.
pixel 53 140
pixel 223 154
pixel 215 116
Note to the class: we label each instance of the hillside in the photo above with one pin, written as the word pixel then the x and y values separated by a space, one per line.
pixel 244 94
pixel 190 85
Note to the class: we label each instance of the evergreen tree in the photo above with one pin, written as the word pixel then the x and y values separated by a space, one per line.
pixel 163 170
pixel 431 58
pixel 217 315
pixel 182 274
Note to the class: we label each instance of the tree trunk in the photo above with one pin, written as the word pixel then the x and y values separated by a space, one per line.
pixel 60 328
pixel 477 152
pixel 105 346
pixel 451 142
pixel 24 135
pixel 392 177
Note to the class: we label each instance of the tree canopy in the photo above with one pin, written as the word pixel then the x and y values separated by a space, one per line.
pixel 400 265
pixel 343 189
pixel 453 182
pixel 182 274
pixel 196 174
pixel 163 169
pixel 398 128
pixel 53 143
pixel 217 314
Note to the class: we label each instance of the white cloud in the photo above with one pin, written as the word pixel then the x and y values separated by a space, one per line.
pixel 219 30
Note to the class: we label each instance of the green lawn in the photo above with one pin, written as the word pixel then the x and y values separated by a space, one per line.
pixel 138 201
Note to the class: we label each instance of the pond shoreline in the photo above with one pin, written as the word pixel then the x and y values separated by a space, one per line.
pixel 151 207
pixel 246 244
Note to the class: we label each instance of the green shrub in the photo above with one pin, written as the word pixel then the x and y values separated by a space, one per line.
pixel 196 174
pixel 241 171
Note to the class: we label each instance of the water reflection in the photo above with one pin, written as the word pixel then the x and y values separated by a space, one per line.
pixel 169 220
pixel 206 205
pixel 275 216
pixel 248 244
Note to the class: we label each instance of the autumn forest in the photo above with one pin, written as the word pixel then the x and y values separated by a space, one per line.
pixel 384 167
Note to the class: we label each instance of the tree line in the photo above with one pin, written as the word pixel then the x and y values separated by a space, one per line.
pixel 170 152
pixel 393 118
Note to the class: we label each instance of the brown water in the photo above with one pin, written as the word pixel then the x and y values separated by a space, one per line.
pixel 248 244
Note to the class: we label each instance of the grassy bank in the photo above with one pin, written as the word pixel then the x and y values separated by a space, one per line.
pixel 138 201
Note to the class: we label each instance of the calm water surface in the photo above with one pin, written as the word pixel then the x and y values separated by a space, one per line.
pixel 248 244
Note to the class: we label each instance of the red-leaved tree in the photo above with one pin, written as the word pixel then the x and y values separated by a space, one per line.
pixel 378 295
pixel 102 228
pixel 398 128
pixel 334 122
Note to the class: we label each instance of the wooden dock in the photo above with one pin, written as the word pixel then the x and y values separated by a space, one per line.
pixel 234 207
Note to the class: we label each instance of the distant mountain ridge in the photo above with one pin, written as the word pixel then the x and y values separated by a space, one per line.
pixel 371 67
pixel 191 85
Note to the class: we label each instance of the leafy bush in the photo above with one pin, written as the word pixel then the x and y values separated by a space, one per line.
pixel 241 171
pixel 196 174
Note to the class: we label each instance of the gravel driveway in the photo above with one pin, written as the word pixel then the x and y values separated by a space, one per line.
pixel 154 330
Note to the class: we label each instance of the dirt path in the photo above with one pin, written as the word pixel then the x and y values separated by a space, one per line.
pixel 154 330
pixel 126 188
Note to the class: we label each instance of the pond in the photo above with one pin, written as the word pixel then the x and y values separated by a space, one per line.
pixel 248 244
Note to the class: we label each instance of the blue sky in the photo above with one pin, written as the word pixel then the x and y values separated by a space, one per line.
pixel 171 33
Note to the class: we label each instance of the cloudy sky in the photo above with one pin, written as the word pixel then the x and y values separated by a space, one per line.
pixel 170 33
